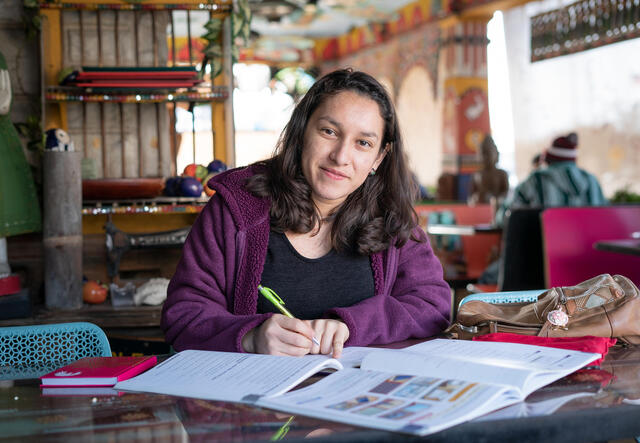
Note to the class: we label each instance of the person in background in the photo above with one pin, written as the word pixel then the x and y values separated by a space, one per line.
pixel 561 183
pixel 490 184
pixel 537 161
pixel 328 224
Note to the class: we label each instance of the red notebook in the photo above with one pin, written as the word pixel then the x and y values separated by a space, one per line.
pixel 98 371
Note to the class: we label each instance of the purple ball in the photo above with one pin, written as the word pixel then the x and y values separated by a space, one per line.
pixel 172 186
pixel 216 166
pixel 190 187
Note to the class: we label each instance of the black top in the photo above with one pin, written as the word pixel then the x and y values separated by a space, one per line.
pixel 311 286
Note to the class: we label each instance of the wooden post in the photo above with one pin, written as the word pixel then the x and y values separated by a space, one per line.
pixel 62 233
pixel 51 44
pixel 222 112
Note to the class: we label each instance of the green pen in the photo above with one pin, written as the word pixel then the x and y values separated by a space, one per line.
pixel 276 301
pixel 279 435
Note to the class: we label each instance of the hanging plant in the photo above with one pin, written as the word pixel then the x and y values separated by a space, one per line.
pixel 32 132
pixel 31 19
pixel 213 50
pixel 241 21
pixel 240 28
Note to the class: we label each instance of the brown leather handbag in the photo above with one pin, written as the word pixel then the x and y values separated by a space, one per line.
pixel 603 306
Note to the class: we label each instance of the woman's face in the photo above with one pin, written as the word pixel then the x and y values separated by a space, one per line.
pixel 341 145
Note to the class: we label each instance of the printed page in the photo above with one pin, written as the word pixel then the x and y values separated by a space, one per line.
pixel 352 356
pixel 411 404
pixel 514 355
pixel 525 367
pixel 227 376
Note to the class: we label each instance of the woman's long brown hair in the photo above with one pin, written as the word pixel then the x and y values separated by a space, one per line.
pixel 376 214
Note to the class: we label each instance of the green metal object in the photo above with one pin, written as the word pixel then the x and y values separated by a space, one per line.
pixel 19 207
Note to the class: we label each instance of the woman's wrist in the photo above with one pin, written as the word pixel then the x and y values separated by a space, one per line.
pixel 248 342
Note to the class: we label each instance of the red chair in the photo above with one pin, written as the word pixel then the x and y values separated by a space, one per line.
pixel 569 235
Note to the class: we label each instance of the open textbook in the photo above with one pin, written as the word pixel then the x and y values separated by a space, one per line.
pixel 417 390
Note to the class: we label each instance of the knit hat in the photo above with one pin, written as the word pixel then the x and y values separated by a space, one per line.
pixel 563 149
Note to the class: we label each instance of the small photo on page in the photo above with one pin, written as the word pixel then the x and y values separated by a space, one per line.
pixel 416 387
pixel 379 407
pixel 358 401
pixel 391 383
pixel 407 411
pixel 445 390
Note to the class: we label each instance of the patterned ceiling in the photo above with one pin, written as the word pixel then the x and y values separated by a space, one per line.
pixel 282 30
pixel 319 18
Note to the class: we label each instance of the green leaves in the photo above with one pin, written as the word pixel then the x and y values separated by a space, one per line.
pixel 31 18
pixel 213 50
pixel 216 67
pixel 213 27
pixel 240 28
pixel 241 21
pixel 31 131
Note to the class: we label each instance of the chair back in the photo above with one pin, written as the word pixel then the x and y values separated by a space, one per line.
pixel 521 259
pixel 527 296
pixel 570 233
pixel 43 348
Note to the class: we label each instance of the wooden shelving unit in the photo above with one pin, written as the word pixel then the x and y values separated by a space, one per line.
pixel 132 133
pixel 57 94
pixel 158 205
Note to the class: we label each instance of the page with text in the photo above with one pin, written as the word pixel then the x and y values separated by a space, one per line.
pixel 228 376
pixel 411 404
pixel 526 367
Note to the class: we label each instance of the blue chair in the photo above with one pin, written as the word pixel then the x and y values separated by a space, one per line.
pixel 31 351
pixel 504 297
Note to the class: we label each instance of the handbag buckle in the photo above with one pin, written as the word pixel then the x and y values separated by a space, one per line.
pixel 469 329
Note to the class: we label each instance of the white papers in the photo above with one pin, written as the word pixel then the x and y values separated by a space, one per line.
pixel 227 375
pixel 417 405
pixel 417 390
pixel 352 356
pixel 524 367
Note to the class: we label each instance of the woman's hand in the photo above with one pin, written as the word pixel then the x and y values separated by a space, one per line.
pixel 331 334
pixel 280 335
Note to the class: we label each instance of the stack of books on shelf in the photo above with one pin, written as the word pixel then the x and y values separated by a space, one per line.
pixel 134 77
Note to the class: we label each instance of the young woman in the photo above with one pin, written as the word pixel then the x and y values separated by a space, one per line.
pixel 328 224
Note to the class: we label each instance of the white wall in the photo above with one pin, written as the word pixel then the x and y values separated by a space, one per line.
pixel 595 93
pixel 420 118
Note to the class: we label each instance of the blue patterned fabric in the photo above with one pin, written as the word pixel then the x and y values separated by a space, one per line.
pixel 504 297
pixel 30 351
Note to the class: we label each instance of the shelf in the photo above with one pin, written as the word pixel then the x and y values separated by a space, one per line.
pixel 157 205
pixel 59 94
pixel 103 315
pixel 221 6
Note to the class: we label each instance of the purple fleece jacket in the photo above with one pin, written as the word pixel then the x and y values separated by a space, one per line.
pixel 212 298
